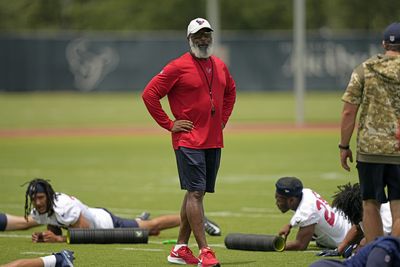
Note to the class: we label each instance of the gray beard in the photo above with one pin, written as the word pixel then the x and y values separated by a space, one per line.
pixel 201 52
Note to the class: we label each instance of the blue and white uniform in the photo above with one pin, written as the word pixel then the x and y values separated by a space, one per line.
pixel 67 210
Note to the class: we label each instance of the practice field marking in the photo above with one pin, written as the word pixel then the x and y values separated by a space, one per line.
pixel 258 210
pixel 154 130
pixel 142 249
pixel 237 179
pixel 234 214
pixel 312 251
pixel 332 175
pixel 14 235
pixel 251 212
pixel 245 212
pixel 160 243
pixel 35 253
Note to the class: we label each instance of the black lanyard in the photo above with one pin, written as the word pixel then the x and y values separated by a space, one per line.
pixel 209 83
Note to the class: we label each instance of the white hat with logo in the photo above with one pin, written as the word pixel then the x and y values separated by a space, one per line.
pixel 198 24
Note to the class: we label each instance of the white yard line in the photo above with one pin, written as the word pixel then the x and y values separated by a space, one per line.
pixel 142 249
pixel 15 236
pixel 35 253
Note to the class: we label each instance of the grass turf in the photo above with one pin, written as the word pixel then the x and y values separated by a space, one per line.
pixel 129 174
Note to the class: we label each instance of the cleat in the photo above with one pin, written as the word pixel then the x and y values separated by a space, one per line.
pixel 67 258
pixel 182 256
pixel 144 216
pixel 211 227
pixel 207 258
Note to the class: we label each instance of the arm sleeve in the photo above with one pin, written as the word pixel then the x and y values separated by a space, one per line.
pixel 156 89
pixel 229 97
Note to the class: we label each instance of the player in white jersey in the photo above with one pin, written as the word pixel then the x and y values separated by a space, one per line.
pixel 348 200
pixel 313 215
pixel 59 210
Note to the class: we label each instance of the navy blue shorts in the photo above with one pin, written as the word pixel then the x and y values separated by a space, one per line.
pixel 3 222
pixel 198 168
pixel 374 177
pixel 376 257
pixel 121 222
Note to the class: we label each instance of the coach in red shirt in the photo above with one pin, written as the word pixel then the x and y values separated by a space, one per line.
pixel 201 95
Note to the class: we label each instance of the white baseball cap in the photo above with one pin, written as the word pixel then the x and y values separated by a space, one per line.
pixel 198 24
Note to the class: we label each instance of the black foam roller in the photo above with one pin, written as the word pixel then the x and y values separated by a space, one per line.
pixel 107 236
pixel 254 242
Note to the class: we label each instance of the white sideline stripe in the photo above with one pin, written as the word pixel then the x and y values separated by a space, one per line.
pixel 150 242
pixel 155 242
pixel 258 210
pixel 236 179
pixel 142 249
pixel 35 253
pixel 253 212
pixel 193 244
pixel 161 250
pixel 14 235
pixel 216 245
pixel 213 214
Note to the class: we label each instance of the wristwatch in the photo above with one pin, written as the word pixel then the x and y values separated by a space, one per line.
pixel 344 147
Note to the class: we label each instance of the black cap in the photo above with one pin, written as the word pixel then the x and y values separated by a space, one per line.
pixel 289 187
pixel 391 35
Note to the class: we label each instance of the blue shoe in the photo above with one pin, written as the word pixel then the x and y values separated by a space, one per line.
pixel 211 227
pixel 144 216
pixel 67 258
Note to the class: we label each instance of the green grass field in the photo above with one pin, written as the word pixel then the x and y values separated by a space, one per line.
pixel 129 173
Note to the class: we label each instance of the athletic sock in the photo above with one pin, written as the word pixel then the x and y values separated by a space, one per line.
pixel 178 246
pixel 51 261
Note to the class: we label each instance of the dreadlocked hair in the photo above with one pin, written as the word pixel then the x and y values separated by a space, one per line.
pixel 348 200
pixel 32 190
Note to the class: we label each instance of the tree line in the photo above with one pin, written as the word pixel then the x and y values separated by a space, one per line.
pixel 149 15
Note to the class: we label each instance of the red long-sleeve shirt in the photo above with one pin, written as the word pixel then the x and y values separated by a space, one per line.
pixel 188 81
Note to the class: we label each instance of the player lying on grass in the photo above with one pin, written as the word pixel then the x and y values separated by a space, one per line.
pixel 58 210
pixel 64 258
pixel 313 215
pixel 348 199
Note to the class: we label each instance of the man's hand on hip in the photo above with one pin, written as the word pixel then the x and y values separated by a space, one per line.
pixel 182 126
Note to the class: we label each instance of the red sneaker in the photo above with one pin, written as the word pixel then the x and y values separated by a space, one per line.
pixel 182 256
pixel 207 258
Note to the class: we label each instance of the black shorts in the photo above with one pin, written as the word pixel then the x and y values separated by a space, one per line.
pixel 198 168
pixel 374 177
